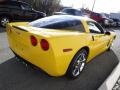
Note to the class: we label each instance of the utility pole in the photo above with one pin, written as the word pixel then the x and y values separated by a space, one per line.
pixel 93 5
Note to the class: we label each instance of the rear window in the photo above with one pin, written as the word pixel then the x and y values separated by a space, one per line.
pixel 59 22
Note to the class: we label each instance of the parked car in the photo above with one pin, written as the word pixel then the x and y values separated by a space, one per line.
pixel 111 22
pixel 59 44
pixel 69 11
pixel 17 11
pixel 116 22
pixel 100 18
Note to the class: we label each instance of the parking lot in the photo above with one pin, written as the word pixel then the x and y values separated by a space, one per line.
pixel 14 75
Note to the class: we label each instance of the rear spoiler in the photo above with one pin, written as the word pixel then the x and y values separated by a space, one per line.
pixel 21 28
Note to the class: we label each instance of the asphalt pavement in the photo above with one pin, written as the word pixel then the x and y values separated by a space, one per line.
pixel 14 75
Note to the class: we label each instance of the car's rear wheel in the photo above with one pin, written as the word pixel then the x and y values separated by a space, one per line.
pixel 78 63
pixel 4 21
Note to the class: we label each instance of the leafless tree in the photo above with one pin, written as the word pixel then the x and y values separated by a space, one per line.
pixel 47 6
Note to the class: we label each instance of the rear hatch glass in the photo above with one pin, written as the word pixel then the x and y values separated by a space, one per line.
pixel 62 22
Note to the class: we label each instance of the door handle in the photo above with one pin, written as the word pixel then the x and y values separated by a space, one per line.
pixel 95 36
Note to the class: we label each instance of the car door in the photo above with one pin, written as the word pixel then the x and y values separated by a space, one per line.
pixel 29 14
pixel 99 40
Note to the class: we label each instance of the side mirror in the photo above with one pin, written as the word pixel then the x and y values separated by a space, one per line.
pixel 107 33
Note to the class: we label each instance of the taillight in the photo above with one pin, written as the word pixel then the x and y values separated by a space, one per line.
pixel 33 40
pixel 44 44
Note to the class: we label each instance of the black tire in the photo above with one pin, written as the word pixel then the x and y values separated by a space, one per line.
pixel 77 65
pixel 109 47
pixel 4 20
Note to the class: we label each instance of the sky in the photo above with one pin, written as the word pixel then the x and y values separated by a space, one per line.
pixel 107 6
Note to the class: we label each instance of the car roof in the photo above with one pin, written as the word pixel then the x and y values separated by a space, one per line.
pixel 70 9
pixel 67 9
pixel 75 17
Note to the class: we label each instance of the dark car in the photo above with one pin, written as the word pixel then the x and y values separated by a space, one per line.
pixel 116 22
pixel 17 11
pixel 69 11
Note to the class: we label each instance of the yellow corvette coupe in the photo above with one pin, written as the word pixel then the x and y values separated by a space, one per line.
pixel 59 44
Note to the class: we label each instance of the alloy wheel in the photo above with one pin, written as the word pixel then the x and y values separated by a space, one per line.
pixel 79 64
pixel 4 21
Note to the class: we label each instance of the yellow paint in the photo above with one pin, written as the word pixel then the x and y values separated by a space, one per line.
pixel 55 62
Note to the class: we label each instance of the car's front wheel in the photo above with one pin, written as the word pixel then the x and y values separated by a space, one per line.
pixel 4 21
pixel 78 63
pixel 109 47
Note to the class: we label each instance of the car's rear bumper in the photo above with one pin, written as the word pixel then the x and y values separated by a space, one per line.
pixel 50 66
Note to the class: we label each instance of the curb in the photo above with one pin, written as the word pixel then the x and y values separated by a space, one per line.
pixel 109 83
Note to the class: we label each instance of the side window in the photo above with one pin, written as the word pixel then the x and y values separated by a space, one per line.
pixel 78 13
pixel 70 11
pixel 98 15
pixel 95 28
pixel 75 25
pixel 26 7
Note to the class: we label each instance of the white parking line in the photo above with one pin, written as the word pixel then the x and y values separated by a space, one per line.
pixel 111 80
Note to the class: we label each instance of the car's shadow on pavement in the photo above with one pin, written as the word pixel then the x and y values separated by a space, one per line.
pixel 16 76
